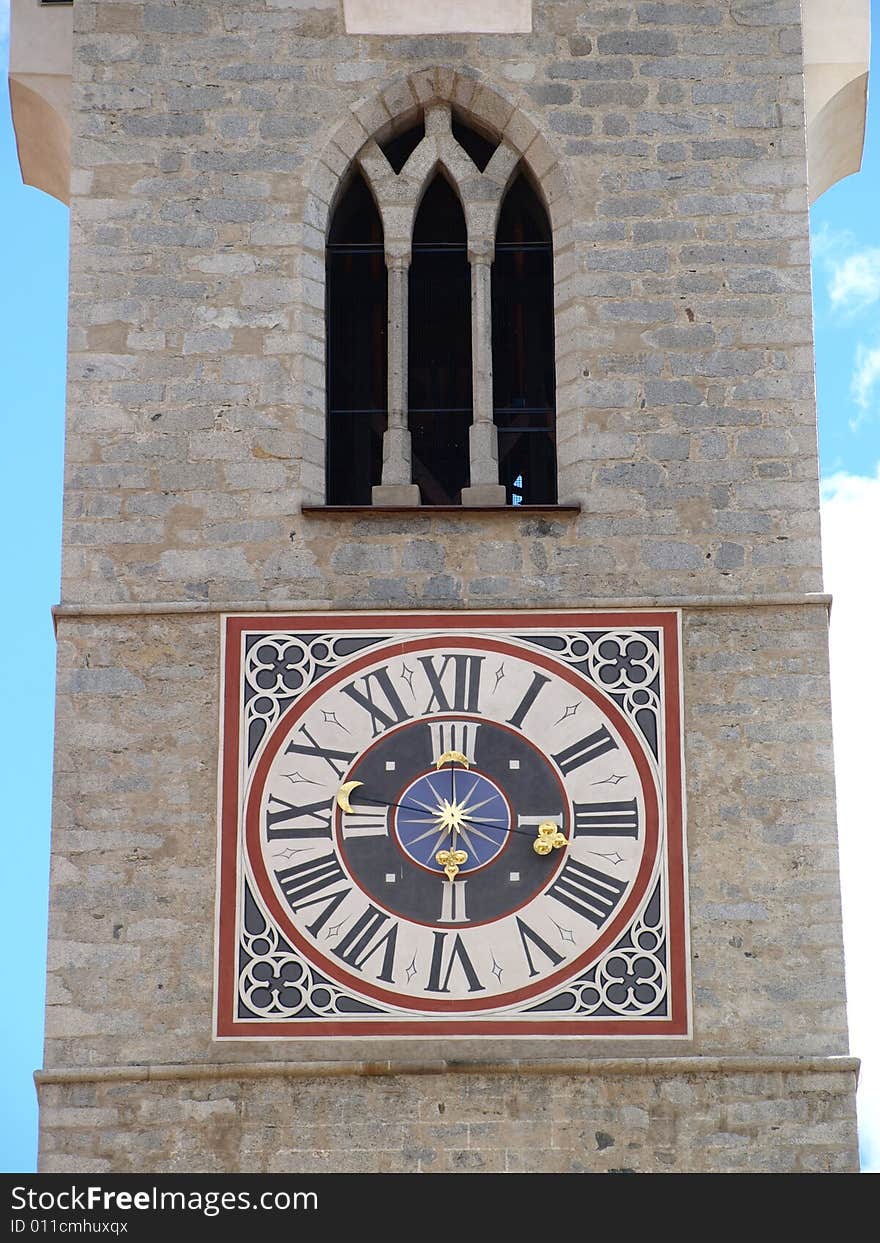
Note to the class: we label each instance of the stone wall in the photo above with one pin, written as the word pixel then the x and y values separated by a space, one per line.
pixel 209 140
pixel 598 1117
pixel 668 141
pixel 132 953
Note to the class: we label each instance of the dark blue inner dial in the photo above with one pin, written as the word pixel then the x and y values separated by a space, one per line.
pixel 509 789
pixel 453 808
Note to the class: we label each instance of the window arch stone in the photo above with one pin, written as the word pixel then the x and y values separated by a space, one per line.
pixel 429 94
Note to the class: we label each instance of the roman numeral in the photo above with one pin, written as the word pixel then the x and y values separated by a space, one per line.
pixel 324 753
pixel 447 735
pixel 532 821
pixel 606 819
pixel 527 934
pixel 538 680
pixel 589 748
pixel 378 683
pixel 452 907
pixel 458 954
pixel 465 684
pixel 371 823
pixel 280 812
pixel 361 942
pixel 304 885
pixel 587 891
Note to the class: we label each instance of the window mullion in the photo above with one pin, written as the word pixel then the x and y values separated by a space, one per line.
pixel 483 442
pixel 397 487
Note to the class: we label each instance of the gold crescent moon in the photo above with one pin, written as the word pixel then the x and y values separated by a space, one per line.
pixel 449 756
pixel 343 792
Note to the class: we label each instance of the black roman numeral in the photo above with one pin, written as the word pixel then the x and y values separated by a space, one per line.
pixel 280 812
pixel 527 934
pixel 359 944
pixel 606 819
pixel 538 680
pixel 465 684
pixel 381 718
pixel 304 885
pixel 458 954
pixel 589 748
pixel 587 891
pixel 324 753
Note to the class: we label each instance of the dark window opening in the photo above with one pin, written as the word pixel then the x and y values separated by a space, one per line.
pixel 356 345
pixel 523 367
pixel 398 149
pixel 479 148
pixel 440 388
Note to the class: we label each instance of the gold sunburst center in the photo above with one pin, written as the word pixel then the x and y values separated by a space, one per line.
pixel 450 815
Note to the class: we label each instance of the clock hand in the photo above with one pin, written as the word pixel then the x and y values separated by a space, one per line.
pixel 343 800
pixel 450 860
pixel 549 836
pixel 343 796
pixel 451 757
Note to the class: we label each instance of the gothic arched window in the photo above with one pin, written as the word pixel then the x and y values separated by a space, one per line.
pixel 440 387
pixel 440 338
pixel 356 344
pixel 523 366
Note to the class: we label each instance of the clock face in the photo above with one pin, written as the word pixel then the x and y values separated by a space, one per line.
pixel 448 828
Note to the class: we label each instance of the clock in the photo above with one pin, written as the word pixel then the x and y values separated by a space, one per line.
pixel 467 824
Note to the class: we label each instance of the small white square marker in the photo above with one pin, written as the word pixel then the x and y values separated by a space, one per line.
pixel 514 875
pixel 389 766
pixel 390 878
pixel 513 763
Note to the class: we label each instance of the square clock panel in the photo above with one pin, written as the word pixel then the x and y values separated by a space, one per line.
pixel 461 824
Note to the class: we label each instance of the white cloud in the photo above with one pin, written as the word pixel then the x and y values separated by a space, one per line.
pixel 864 380
pixel 854 282
pixel 827 243
pixel 852 275
pixel 851 549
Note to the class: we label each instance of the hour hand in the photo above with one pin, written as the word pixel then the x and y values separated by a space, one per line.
pixel 343 800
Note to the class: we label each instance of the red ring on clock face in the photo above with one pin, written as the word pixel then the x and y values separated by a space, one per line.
pixel 425 1000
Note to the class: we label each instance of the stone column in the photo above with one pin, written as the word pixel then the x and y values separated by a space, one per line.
pixel 484 488
pixel 397 487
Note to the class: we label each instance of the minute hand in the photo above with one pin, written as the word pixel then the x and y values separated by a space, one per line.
pixel 343 797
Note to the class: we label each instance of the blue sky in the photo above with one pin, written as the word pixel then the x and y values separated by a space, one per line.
pixel 33 335
pixel 846 282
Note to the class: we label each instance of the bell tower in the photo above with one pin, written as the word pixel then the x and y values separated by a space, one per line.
pixel 443 765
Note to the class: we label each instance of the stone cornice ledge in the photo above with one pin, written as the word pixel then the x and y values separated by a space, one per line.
pixel 583 1067
pixel 165 607
pixel 457 511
